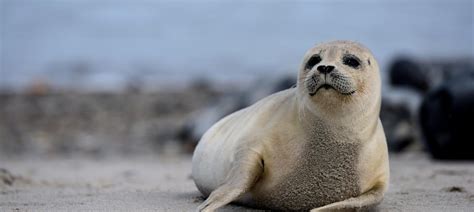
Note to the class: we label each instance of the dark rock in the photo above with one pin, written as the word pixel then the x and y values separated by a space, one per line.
pixel 6 177
pixel 455 189
pixel 398 116
pixel 423 76
pixel 446 117
pixel 407 72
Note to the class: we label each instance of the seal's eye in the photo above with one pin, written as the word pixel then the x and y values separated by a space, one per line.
pixel 351 60
pixel 315 59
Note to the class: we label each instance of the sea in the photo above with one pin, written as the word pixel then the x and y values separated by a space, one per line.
pixel 112 44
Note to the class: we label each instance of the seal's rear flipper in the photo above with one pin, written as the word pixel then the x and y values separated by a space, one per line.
pixel 364 202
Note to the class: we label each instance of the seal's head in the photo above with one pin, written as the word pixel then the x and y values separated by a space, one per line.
pixel 339 75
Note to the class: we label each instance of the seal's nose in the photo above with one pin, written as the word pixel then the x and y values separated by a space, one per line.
pixel 325 69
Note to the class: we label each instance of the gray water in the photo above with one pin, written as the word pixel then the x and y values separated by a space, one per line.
pixel 99 44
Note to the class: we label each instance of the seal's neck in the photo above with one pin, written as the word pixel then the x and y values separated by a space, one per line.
pixel 359 122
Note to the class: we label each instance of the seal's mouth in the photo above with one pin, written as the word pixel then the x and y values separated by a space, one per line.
pixel 327 87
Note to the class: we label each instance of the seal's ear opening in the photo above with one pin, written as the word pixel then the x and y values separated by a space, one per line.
pixel 314 60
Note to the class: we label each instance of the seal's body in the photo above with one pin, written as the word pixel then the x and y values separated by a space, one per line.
pixel 320 145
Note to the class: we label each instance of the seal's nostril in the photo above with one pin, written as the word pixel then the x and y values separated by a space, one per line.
pixel 325 69
pixel 321 68
pixel 329 68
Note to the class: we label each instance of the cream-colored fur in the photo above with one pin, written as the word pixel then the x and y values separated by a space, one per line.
pixel 303 148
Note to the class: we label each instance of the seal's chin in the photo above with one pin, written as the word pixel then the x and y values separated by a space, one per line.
pixel 328 87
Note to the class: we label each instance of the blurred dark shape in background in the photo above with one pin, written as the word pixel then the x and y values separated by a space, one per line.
pixel 442 93
pixel 423 76
pixel 406 72
pixel 447 116
pixel 399 118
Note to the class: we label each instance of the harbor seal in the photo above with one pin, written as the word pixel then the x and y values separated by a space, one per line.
pixel 319 145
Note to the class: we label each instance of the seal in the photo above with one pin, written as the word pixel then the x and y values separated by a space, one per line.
pixel 319 145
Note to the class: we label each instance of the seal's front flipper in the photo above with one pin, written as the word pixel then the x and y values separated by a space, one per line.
pixel 246 169
pixel 364 202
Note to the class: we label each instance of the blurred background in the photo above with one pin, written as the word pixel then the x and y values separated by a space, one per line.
pixel 140 76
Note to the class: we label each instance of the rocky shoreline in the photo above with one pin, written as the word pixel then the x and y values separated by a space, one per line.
pixel 96 123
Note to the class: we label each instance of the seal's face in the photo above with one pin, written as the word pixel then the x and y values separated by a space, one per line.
pixel 339 72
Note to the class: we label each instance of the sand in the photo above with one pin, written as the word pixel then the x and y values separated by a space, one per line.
pixel 151 183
